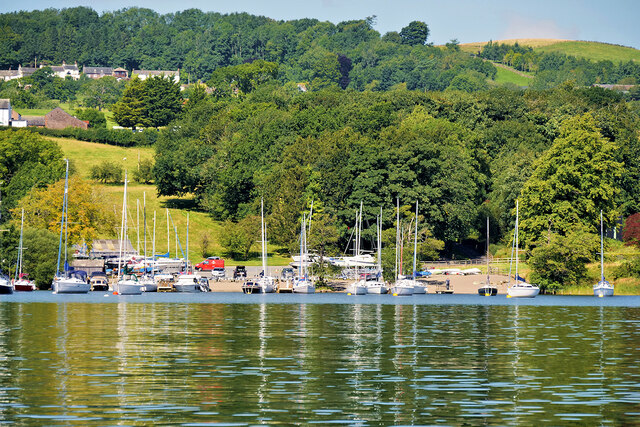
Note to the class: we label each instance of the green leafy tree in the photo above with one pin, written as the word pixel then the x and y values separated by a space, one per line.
pixel 101 93
pixel 560 261
pixel 107 172
pixel 162 100
pixel 571 182
pixel 416 33
pixel 144 173
pixel 39 259
pixel 96 118
pixel 131 110
pixel 238 238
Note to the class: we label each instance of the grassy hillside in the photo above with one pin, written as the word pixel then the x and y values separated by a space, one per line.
pixel 595 51
pixel 508 75
pixel 86 155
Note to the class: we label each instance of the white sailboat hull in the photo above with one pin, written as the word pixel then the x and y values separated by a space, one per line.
pixel 603 289
pixel 377 288
pixel 356 289
pixel 523 290
pixel 401 290
pixel 419 289
pixel 128 287
pixel 304 287
pixel 70 286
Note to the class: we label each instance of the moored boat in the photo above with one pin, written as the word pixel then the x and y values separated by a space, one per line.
pixel 521 289
pixel 603 288
pixel 265 283
pixel 488 289
pixel 303 284
pixel 6 287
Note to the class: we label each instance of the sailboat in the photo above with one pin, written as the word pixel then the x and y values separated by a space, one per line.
pixel 21 281
pixel 417 287
pixel 147 282
pixel 126 284
pixel 264 284
pixel 66 281
pixel 6 287
pixel 302 284
pixel 401 287
pixel 378 286
pixel 520 288
pixel 488 290
pixel 603 288
pixel 358 286
pixel 189 281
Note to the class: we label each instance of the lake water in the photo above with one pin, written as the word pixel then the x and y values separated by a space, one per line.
pixel 236 359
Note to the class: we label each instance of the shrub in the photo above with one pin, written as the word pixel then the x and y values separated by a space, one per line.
pixel 631 233
pixel 144 173
pixel 107 172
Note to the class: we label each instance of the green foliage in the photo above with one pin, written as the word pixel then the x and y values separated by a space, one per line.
pixel 561 260
pixel 243 78
pixel 107 172
pixel 96 118
pixel 39 259
pixel 144 173
pixel 416 33
pixel 130 110
pixel 26 161
pixel 628 268
pixel 238 238
pixel 162 100
pixel 101 93
pixel 571 182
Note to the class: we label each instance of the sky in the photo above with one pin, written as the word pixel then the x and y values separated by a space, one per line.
pixel 613 21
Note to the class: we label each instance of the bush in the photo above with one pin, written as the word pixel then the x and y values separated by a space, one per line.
pixel 107 172
pixel 119 137
pixel 628 268
pixel 95 118
pixel 144 173
pixel 631 233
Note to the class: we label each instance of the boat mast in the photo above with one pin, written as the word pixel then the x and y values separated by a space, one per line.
pixel 64 199
pixel 123 224
pixel 153 247
pixel 488 280
pixel 187 260
pixel 18 274
pixel 264 242
pixel 300 269
pixel 137 225
pixel 355 248
pixel 516 242
pixel 380 243
pixel 144 231
pixel 601 249
pixel 415 244
pixel 168 241
pixel 395 271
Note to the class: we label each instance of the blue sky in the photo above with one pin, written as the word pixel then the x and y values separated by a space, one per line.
pixel 613 21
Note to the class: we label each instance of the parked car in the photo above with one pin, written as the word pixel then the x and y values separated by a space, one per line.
pixel 218 273
pixel 210 263
pixel 287 273
pixel 240 272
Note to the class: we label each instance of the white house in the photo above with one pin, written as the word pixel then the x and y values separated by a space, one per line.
pixel 144 74
pixel 5 112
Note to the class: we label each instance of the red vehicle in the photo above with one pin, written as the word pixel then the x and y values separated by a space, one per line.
pixel 210 263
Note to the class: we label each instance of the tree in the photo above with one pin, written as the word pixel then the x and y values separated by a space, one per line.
pixel 323 239
pixel 95 118
pixel 102 93
pixel 131 110
pixel 631 233
pixel 238 238
pixel 144 173
pixel 561 260
pixel 571 182
pixel 107 172
pixel 162 100
pixel 40 258
pixel 416 33
pixel 26 161
pixel 87 217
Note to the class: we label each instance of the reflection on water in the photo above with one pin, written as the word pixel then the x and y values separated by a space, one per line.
pixel 371 364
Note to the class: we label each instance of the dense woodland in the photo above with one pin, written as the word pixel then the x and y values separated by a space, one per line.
pixel 378 118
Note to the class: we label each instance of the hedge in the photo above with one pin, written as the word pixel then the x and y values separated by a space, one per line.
pixel 119 137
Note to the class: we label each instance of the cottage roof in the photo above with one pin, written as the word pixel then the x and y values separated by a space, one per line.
pixel 155 72
pixel 34 120
pixel 97 70
pixel 5 104
pixel 9 73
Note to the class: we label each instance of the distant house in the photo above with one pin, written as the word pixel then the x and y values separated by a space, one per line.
pixel 97 72
pixel 144 74
pixel 7 75
pixel 5 112
pixel 65 70
pixel 17 121
pixel 120 73
pixel 60 119
pixel 26 71
pixel 34 121
pixel 620 88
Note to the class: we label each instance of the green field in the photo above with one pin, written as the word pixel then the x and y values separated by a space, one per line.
pixel 507 76
pixel 594 51
pixel 86 155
